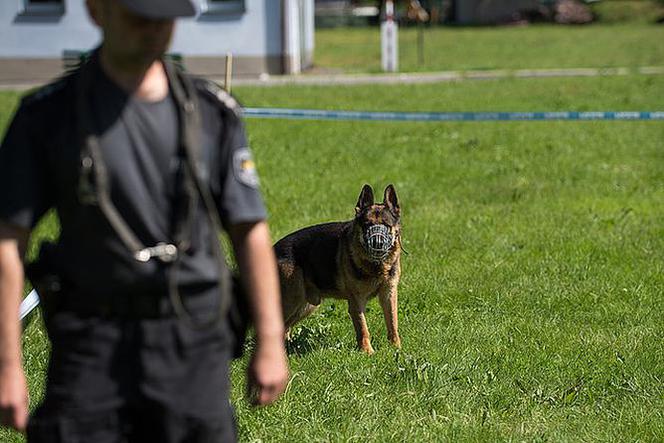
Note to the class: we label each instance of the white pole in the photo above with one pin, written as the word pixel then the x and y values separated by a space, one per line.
pixel 292 36
pixel 29 303
pixel 389 40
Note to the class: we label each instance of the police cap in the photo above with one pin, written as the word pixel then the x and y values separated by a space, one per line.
pixel 160 9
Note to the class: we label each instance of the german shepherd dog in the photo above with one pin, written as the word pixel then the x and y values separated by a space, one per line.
pixel 353 260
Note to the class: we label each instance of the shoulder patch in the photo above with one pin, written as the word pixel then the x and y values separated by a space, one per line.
pixel 222 96
pixel 244 167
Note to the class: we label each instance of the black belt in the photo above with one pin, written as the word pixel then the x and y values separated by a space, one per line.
pixel 124 306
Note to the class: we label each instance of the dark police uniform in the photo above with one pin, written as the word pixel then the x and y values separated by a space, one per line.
pixel 124 366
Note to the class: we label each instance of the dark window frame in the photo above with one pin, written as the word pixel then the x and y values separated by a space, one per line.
pixel 42 9
pixel 222 7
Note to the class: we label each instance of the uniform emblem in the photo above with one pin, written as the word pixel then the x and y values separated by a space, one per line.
pixel 245 168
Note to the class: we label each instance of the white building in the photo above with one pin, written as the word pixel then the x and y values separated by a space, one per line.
pixel 264 36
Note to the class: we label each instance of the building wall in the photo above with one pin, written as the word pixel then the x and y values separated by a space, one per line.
pixel 44 37
pixel 31 47
pixel 253 37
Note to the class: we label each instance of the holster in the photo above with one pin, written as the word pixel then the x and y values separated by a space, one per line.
pixel 44 275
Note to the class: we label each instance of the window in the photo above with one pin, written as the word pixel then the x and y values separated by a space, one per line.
pixel 43 7
pixel 219 7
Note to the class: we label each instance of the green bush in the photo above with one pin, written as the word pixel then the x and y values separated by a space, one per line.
pixel 620 11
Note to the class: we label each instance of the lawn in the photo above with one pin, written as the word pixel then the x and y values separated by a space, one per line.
pixel 531 293
pixel 531 296
pixel 517 47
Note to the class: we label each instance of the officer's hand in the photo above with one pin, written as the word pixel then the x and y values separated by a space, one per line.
pixel 267 374
pixel 13 397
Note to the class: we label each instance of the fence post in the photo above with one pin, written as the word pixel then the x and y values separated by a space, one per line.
pixel 389 39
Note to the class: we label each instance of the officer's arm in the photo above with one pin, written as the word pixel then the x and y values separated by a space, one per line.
pixel 268 370
pixel 13 391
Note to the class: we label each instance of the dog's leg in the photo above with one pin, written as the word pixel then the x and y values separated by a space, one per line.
pixel 292 315
pixel 294 296
pixel 300 313
pixel 388 301
pixel 307 310
pixel 296 315
pixel 293 299
pixel 356 310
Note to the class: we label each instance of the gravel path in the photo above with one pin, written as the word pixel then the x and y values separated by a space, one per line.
pixel 424 77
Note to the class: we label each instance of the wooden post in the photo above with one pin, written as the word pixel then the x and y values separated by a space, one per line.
pixel 420 43
pixel 228 80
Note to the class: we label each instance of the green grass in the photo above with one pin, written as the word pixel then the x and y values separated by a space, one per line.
pixel 531 295
pixel 8 103
pixel 524 47
pixel 532 289
pixel 531 292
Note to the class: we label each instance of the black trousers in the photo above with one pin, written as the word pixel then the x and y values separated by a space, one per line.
pixel 127 381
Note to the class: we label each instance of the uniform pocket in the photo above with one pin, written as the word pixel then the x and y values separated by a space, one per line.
pixel 86 365
pixel 210 338
pixel 94 428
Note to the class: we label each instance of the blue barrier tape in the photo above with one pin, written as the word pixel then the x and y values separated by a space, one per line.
pixel 32 300
pixel 313 114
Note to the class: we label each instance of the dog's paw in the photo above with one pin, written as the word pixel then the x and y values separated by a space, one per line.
pixel 366 347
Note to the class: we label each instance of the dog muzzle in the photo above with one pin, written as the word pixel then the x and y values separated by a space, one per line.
pixel 379 241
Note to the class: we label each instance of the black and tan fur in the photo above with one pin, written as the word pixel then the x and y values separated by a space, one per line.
pixel 330 260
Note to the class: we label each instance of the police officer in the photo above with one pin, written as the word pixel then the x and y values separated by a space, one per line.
pixel 142 164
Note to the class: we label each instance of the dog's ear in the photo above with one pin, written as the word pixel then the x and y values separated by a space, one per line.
pixel 366 199
pixel 390 200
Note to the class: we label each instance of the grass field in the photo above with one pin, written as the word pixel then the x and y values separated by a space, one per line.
pixel 521 47
pixel 531 296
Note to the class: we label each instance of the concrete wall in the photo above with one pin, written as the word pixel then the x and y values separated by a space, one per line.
pixel 31 46
pixel 24 36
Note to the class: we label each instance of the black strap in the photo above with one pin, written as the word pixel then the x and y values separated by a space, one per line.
pixel 93 166
pixel 98 192
pixel 188 108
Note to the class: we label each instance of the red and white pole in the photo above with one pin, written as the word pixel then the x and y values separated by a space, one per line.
pixel 389 39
